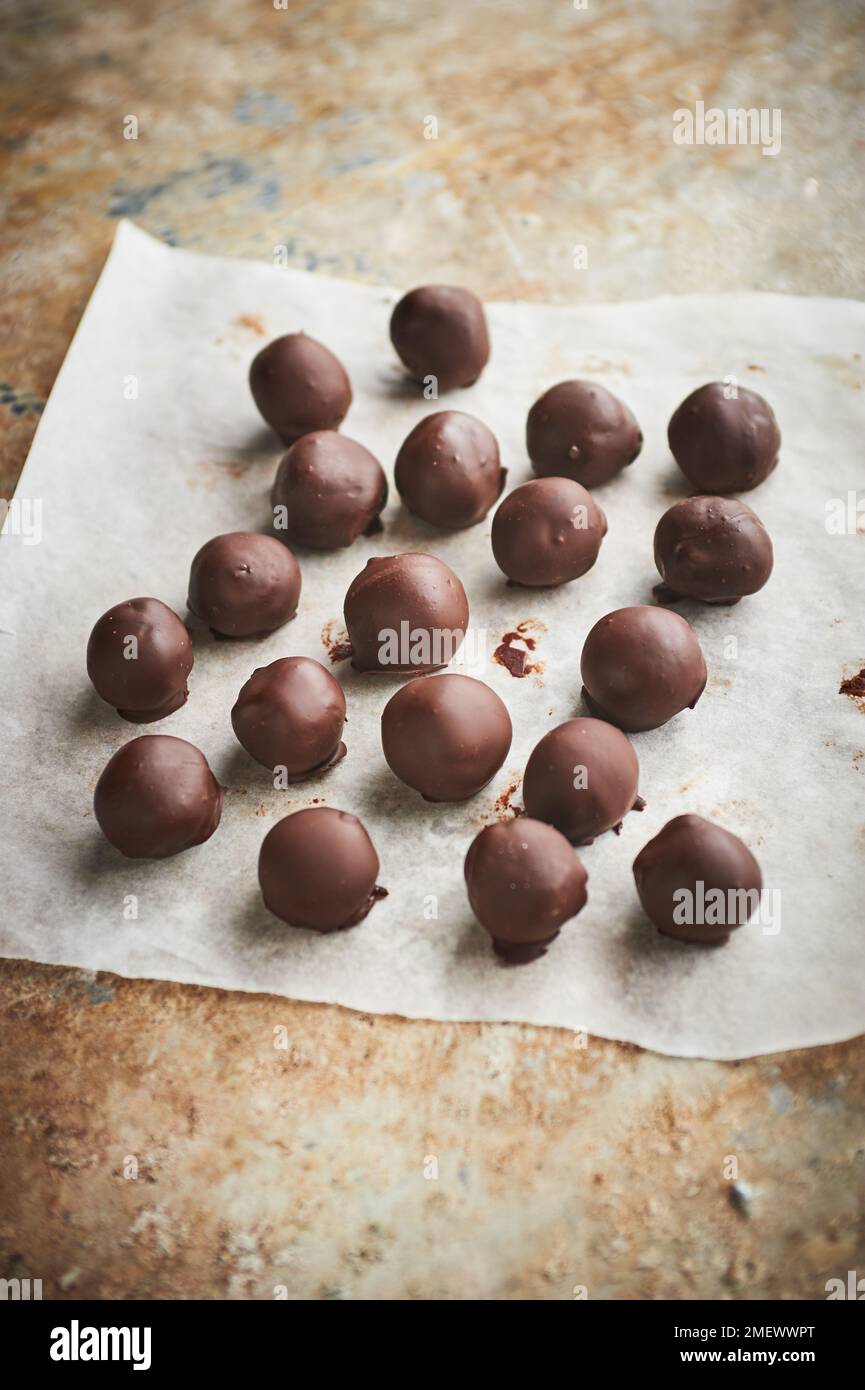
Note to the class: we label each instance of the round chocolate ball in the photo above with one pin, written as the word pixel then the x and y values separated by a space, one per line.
pixel 580 430
pixel 156 797
pixel 405 614
pixel 582 777
pixel 441 332
pixel 317 868
pixel 328 491
pixel 448 471
pixel 724 443
pixel 524 882
pixel 641 666
pixel 299 386
pixel 711 548
pixel 697 882
pixel 290 715
pixel 547 532
pixel 243 584
pixel 445 736
pixel 139 657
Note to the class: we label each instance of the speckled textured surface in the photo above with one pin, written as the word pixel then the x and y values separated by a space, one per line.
pixel 310 1165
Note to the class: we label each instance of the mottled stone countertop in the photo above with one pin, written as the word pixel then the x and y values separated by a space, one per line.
pixel 156 1143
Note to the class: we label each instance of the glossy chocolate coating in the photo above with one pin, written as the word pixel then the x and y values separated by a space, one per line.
pixel 317 868
pixel 445 736
pixel 547 532
pixel 299 386
pixel 150 682
pixel 290 715
pixel 328 491
pixel 687 853
pixel 641 666
pixel 524 882
pixel 582 777
pixel 156 797
pixel 243 584
pixel 711 548
pixel 580 430
pixel 439 331
pixel 724 444
pixel 405 614
pixel 448 471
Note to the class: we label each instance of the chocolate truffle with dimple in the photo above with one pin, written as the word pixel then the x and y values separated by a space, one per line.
pixel 445 736
pixel 290 715
pixel 299 386
pixel 139 657
pixel 317 868
pixel 243 584
pixel 711 548
pixel 156 797
pixel 724 442
pixel 405 614
pixel 524 882
pixel 547 532
pixel 580 430
pixel 440 331
pixel 582 777
pixel 448 471
pixel 328 491
pixel 641 666
pixel 697 882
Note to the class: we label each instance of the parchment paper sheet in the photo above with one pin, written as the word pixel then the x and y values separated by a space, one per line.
pixel 131 487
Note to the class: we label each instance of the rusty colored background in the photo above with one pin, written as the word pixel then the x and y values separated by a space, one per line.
pixel 170 1141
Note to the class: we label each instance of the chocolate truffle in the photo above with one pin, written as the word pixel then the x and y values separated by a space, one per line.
pixel 524 882
pixel 405 614
pixel 290 715
pixel 299 386
pixel 243 584
pixel 448 471
pixel 547 532
pixel 441 332
pixel 157 797
pixel 641 666
pixel 724 443
pixel 580 430
pixel 582 777
pixel 711 548
pixel 328 491
pixel 139 657
pixel 697 882
pixel 317 868
pixel 445 736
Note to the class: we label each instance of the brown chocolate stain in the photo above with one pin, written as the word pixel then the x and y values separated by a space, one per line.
pixel 841 369
pixel 593 365
pixel 854 687
pixel 335 640
pixel 504 807
pixel 252 322
pixel 517 659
